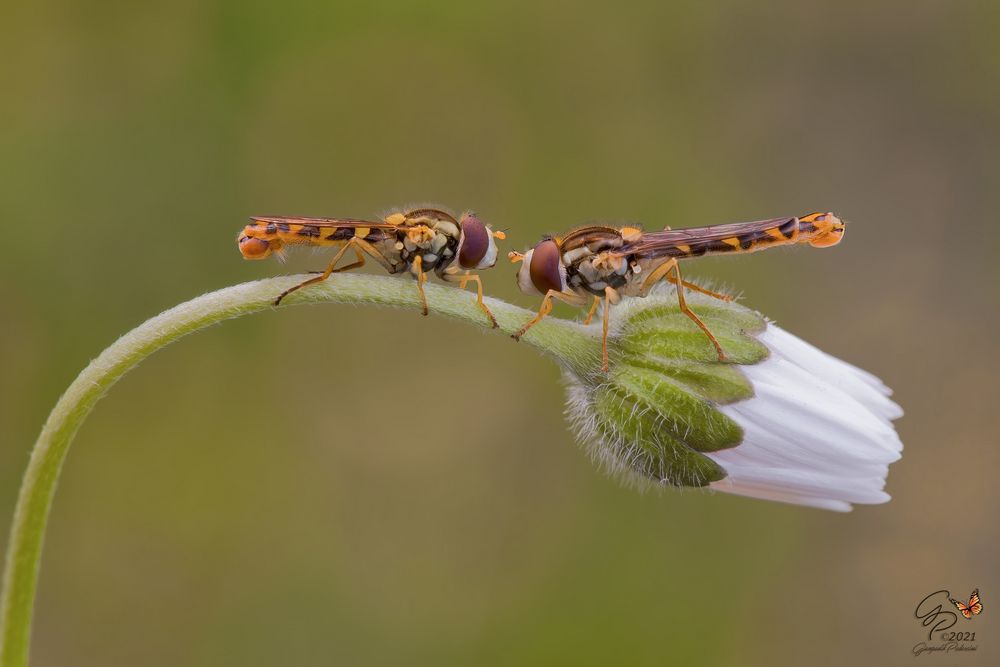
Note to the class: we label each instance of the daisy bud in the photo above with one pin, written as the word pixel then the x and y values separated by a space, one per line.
pixel 781 421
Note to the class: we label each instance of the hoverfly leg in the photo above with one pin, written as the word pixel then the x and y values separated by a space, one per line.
pixel 374 253
pixel 421 279
pixel 698 288
pixel 655 276
pixel 465 280
pixel 357 264
pixel 610 297
pixel 663 271
pixel 329 270
pixel 677 280
pixel 593 309
pixel 546 308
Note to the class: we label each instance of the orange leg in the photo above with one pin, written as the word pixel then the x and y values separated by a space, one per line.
pixel 593 309
pixel 656 275
pixel 465 280
pixel 677 280
pixel 663 269
pixel 610 297
pixel 546 308
pixel 329 269
pixel 421 279
pixel 697 288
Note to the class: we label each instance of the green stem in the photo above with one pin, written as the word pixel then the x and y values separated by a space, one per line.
pixel 571 343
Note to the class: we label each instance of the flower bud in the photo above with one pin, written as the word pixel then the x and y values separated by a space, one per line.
pixel 780 420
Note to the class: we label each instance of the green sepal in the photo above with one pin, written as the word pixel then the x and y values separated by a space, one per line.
pixel 668 333
pixel 656 413
pixel 719 383
pixel 634 428
pixel 687 417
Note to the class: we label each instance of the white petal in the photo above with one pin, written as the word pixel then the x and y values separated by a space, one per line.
pixel 860 384
pixel 768 493
pixel 817 432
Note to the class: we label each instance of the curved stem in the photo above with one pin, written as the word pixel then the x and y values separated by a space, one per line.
pixel 570 343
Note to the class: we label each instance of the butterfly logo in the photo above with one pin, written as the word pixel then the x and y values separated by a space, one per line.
pixel 974 606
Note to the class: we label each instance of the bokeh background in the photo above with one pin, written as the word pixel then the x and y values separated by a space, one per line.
pixel 275 491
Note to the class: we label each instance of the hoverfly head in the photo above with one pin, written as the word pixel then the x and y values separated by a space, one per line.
pixel 477 248
pixel 541 268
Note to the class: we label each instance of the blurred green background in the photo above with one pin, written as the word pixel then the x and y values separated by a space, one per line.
pixel 275 491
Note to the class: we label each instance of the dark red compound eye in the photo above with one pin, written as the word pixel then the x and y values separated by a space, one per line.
pixel 475 242
pixel 544 269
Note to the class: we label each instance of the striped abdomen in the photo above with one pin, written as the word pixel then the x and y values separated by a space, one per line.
pixel 818 229
pixel 299 233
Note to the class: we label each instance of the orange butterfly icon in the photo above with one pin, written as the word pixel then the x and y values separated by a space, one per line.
pixel 973 607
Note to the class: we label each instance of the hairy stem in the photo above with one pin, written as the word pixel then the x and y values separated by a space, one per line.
pixel 572 344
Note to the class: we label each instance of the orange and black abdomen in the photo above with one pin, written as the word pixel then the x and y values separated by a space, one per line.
pixel 303 233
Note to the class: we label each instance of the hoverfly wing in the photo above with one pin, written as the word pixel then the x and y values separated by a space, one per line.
pixel 324 222
pixel 699 240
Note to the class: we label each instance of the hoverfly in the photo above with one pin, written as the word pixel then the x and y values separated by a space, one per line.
pixel 610 262
pixel 416 241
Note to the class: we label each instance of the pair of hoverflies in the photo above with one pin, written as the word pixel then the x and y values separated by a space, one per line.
pixel 595 263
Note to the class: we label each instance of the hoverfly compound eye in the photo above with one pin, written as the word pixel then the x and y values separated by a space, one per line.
pixel 545 267
pixel 477 250
pixel 254 248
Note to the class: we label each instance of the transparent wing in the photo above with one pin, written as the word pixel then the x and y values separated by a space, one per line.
pixel 325 222
pixel 666 242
